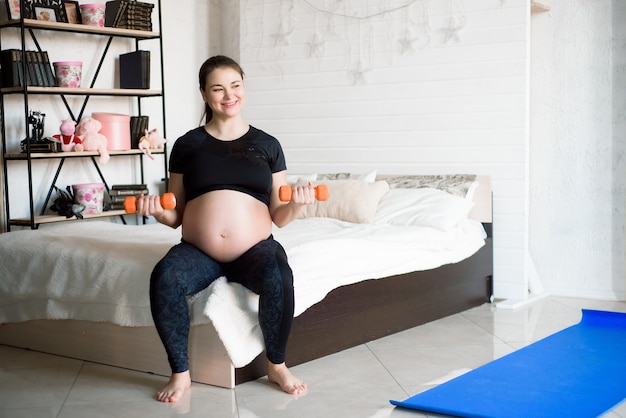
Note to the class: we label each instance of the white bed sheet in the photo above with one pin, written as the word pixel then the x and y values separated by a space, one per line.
pixel 99 271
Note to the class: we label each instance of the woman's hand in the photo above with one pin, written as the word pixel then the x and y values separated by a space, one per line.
pixel 149 205
pixel 303 195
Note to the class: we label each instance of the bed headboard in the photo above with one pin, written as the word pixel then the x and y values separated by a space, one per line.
pixel 482 197
pixel 482 210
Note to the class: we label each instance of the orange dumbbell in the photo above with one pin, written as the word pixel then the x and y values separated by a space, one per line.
pixel 285 192
pixel 168 201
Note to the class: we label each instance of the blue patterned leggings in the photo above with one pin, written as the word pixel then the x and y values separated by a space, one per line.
pixel 185 270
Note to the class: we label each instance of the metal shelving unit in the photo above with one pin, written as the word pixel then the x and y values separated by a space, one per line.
pixel 30 27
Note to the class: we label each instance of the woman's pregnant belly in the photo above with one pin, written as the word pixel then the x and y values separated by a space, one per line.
pixel 226 223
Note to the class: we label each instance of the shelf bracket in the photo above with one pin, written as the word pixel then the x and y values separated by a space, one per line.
pixel 51 188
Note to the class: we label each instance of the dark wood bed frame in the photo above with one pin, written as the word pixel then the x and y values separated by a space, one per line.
pixel 348 316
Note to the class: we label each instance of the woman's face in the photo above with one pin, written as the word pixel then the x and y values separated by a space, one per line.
pixel 224 92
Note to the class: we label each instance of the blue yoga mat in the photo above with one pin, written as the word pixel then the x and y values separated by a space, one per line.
pixel 577 372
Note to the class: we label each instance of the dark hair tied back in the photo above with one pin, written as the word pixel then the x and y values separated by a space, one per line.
pixel 211 64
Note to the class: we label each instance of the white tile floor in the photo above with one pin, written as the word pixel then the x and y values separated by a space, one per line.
pixel 354 383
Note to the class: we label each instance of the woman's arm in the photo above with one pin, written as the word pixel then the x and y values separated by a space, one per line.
pixel 151 205
pixel 284 212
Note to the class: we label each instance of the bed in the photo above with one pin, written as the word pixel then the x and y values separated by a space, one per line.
pixel 80 289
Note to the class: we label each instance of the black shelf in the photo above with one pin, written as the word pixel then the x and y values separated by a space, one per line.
pixel 81 91
pixel 35 28
pixel 77 28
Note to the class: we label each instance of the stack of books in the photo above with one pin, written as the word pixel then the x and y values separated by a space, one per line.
pixel 128 14
pixel 38 69
pixel 39 145
pixel 135 70
pixel 119 192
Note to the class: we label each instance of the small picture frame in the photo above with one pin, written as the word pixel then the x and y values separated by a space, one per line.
pixel 13 9
pixel 46 13
pixel 72 11
pixel 50 10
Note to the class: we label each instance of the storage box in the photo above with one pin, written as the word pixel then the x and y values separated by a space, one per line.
pixel 91 196
pixel 135 70
pixel 116 128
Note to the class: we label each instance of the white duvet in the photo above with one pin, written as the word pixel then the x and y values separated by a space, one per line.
pixel 99 271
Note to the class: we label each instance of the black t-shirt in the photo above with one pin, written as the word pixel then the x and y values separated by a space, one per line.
pixel 245 164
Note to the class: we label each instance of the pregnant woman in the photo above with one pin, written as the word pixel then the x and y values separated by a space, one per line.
pixel 226 176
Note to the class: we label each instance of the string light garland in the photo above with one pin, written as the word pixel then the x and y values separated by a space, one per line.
pixel 354 15
pixel 361 24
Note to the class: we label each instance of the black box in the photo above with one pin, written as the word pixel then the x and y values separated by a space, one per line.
pixel 135 70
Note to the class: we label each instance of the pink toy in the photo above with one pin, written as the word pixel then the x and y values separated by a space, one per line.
pixel 151 140
pixel 88 129
pixel 69 141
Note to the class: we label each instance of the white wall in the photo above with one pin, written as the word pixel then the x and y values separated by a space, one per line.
pixel 342 92
pixel 577 147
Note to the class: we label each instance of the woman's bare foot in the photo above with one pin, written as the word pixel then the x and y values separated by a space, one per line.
pixel 280 374
pixel 175 388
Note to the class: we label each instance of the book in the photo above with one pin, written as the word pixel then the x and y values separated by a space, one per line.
pixel 10 68
pixel 128 14
pixel 21 67
pixel 129 187
pixel 122 193
pixel 119 198
pixel 135 70
pixel 30 73
pixel 34 69
pixel 45 62
pixel 138 127
pixel 140 14
pixel 42 78
pixel 113 12
pixel 140 6
pixel 17 69
pixel 38 68
pixel 134 26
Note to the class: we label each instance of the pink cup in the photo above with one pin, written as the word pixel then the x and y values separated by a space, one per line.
pixel 92 14
pixel 67 73
pixel 91 196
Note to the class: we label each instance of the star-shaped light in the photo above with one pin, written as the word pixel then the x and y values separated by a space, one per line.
pixel 358 74
pixel 407 44
pixel 282 36
pixel 316 46
pixel 452 30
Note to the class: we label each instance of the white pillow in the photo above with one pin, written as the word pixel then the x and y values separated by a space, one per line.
pixel 369 177
pixel 422 207
pixel 301 178
pixel 333 176
pixel 348 200
pixel 471 189
pixel 456 184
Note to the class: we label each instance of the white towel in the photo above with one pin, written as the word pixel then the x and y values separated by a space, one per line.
pixel 233 309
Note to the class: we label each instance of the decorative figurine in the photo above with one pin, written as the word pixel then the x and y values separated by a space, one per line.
pixel 65 205
pixel 151 140
pixel 36 142
pixel 69 141
pixel 88 130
